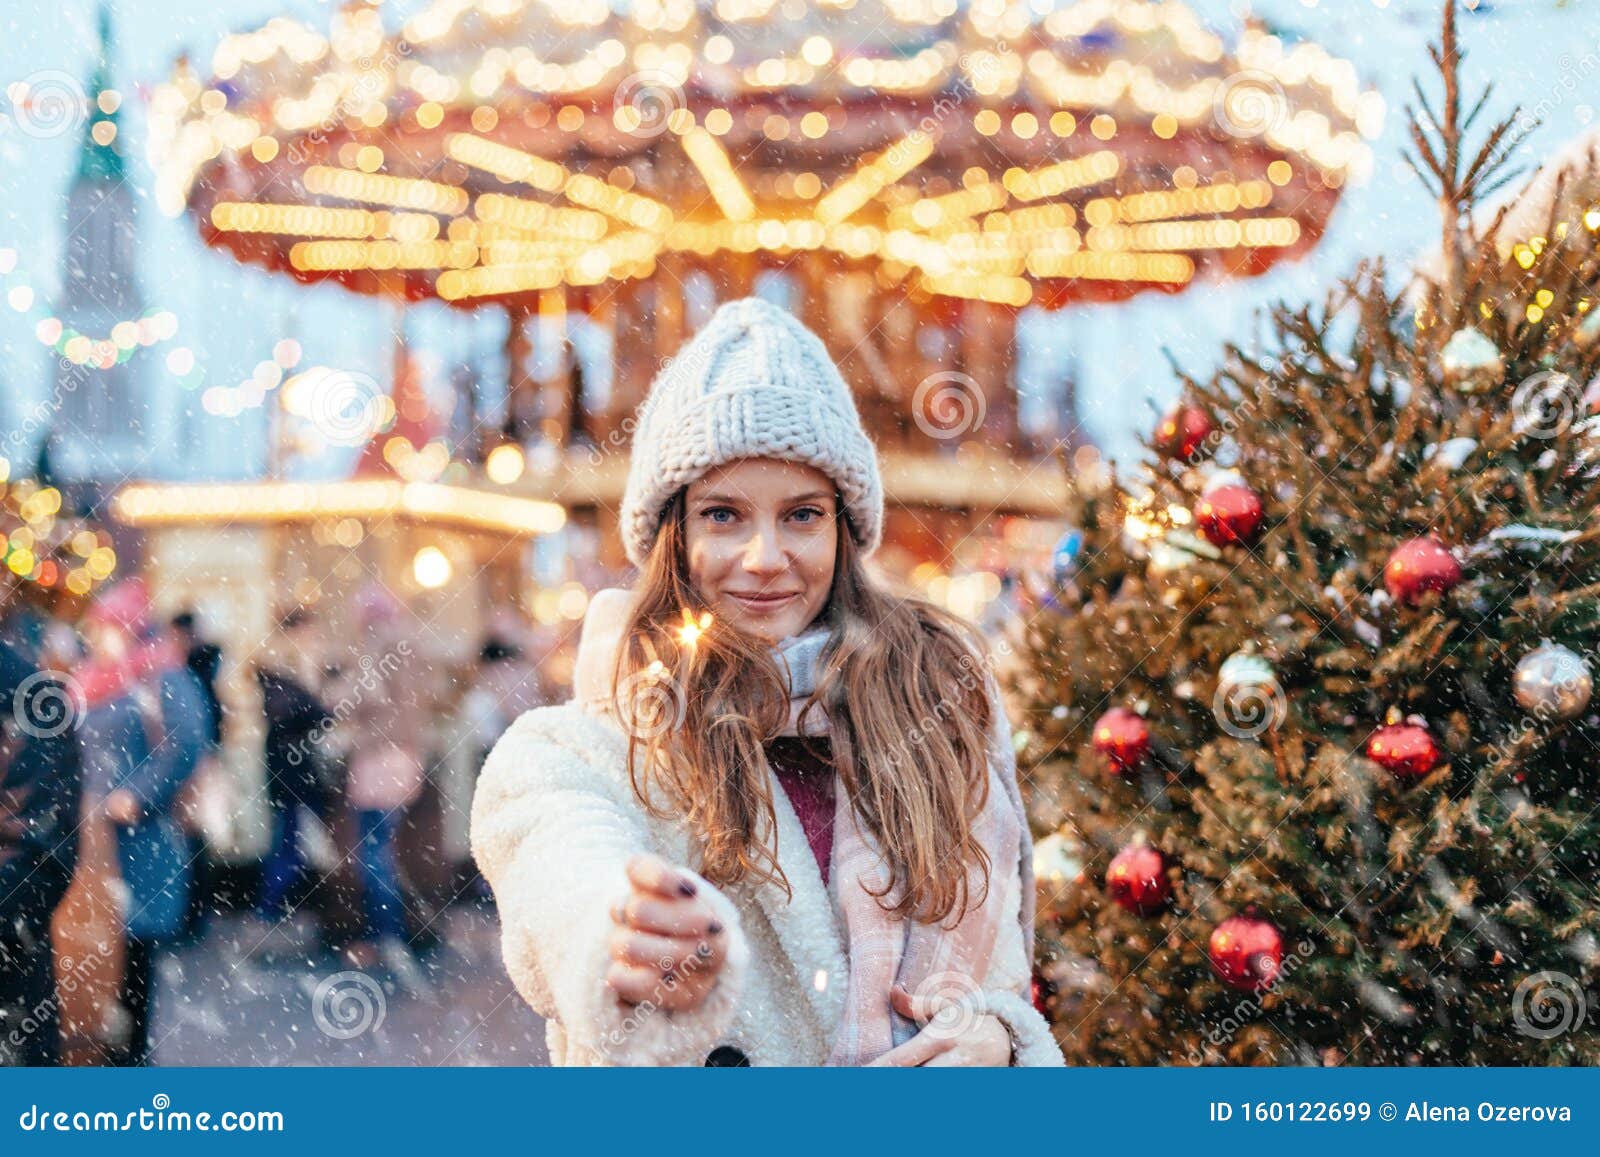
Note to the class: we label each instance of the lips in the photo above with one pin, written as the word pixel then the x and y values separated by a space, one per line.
pixel 763 602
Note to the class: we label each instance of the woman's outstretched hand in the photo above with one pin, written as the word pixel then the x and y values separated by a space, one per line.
pixel 974 1041
pixel 668 945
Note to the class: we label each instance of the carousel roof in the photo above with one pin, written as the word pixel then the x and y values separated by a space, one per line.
pixel 489 149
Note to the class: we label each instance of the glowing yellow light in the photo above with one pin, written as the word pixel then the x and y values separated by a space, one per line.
pixel 430 114
pixel 431 568
pixel 1280 173
pixel 504 464
pixel 690 631
pixel 727 189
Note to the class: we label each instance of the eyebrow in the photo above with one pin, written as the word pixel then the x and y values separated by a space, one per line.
pixel 809 496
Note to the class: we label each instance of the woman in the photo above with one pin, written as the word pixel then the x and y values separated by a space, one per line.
pixel 779 823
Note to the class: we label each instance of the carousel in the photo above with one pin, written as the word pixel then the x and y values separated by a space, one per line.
pixel 906 175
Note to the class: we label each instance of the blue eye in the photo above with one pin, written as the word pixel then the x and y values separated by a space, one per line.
pixel 716 510
pixel 811 510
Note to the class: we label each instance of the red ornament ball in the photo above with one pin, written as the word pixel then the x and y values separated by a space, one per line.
pixel 1123 737
pixel 1246 953
pixel 1183 431
pixel 1229 513
pixel 1406 750
pixel 1419 566
pixel 1137 879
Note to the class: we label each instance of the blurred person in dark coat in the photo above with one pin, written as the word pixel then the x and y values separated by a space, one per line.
pixel 141 740
pixel 204 659
pixel 40 781
pixel 297 722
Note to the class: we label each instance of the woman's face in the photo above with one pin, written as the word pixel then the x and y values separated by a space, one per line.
pixel 761 541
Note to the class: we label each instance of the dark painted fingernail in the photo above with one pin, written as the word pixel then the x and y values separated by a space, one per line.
pixel 716 926
pixel 687 887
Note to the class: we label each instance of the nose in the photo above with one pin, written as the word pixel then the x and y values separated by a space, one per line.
pixel 764 554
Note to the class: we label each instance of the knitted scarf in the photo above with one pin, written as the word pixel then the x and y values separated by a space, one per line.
pixel 943 965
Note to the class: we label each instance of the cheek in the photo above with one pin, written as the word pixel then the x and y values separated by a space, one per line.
pixel 708 559
pixel 818 563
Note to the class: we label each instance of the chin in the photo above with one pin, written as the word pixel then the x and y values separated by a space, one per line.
pixel 772 628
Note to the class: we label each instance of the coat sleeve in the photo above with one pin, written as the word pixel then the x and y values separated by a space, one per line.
pixel 553 824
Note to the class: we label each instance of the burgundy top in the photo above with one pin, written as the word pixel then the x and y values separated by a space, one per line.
pixel 805 769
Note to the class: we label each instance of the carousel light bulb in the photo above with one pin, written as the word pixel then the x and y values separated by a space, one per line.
pixel 431 568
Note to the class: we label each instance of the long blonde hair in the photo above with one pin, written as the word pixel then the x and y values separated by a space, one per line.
pixel 900 682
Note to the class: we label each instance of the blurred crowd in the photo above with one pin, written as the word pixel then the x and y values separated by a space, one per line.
pixel 116 798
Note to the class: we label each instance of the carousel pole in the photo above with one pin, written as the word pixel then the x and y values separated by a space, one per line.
pixel 518 351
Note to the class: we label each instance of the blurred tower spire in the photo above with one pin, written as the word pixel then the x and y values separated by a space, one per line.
pixel 102 415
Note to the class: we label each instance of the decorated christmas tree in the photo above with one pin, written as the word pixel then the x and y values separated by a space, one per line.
pixel 1309 705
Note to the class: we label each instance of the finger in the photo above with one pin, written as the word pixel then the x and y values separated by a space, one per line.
pixel 916 1051
pixel 669 917
pixel 653 874
pixel 633 984
pixel 905 1004
pixel 676 953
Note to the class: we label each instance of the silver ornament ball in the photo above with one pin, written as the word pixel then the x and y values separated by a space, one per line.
pixel 1553 681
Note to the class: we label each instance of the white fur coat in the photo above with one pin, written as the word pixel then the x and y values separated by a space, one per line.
pixel 553 822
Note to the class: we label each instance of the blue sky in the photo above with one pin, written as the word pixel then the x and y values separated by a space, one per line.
pixel 230 315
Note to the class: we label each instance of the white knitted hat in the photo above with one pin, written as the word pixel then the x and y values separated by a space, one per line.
pixel 753 383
